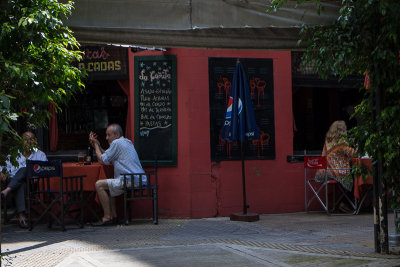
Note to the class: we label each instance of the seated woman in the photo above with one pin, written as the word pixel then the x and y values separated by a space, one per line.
pixel 338 158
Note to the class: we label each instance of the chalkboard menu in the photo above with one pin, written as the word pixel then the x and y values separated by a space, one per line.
pixel 155 110
pixel 260 78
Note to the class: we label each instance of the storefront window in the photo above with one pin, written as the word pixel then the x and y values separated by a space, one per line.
pixel 105 100
pixel 317 103
pixel 102 103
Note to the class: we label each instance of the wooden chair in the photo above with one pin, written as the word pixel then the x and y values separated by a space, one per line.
pixel 141 191
pixel 51 195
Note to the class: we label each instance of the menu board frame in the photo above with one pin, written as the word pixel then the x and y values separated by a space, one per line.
pixel 158 143
pixel 259 72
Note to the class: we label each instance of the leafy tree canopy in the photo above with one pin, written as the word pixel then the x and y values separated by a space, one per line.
pixel 35 64
pixel 364 39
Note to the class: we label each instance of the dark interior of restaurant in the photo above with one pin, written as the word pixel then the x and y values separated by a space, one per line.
pixel 315 109
pixel 102 103
pixel 318 102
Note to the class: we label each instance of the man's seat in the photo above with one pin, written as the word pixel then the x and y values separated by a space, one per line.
pixel 141 191
pixel 319 190
pixel 54 194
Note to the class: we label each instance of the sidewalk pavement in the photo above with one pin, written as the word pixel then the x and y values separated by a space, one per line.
pixel 295 239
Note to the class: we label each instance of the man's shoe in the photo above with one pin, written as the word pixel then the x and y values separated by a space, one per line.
pixel 105 223
pixel 115 220
pixel 23 224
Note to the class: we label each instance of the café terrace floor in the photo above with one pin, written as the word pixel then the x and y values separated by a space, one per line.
pixel 295 239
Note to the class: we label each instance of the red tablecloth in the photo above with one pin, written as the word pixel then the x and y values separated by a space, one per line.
pixel 358 181
pixel 93 172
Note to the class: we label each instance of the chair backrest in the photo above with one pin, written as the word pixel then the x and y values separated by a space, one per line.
pixel 43 169
pixel 315 162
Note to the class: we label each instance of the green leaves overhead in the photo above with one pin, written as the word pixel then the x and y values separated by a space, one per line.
pixel 36 57
pixel 37 51
pixel 5 115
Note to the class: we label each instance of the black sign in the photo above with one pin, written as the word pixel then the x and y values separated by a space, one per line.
pixel 260 78
pixel 155 109
pixel 104 62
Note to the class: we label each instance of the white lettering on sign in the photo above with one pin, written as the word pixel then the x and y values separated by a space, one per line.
pixel 142 76
pixel 144 133
pixel 314 163
pixel 161 75
pixel 250 134
pixel 155 89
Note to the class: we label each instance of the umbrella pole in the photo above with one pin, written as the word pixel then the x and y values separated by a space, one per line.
pixel 242 147
pixel 244 216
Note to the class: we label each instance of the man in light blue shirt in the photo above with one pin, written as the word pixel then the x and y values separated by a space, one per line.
pixel 123 156
pixel 17 174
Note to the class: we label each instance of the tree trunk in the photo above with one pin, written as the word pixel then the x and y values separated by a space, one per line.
pixel 377 245
pixel 383 220
pixel 1 211
pixel 380 196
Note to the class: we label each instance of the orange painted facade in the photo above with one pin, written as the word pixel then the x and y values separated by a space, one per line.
pixel 198 187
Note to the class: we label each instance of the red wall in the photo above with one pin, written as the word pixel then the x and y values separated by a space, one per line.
pixel 197 187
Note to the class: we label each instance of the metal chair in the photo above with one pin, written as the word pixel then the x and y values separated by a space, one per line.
pixel 143 191
pixel 317 165
pixel 53 194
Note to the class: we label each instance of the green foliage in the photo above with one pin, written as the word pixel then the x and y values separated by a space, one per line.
pixel 364 39
pixel 35 62
pixel 5 115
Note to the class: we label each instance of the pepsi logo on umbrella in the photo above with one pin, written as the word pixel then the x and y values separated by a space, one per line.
pixel 230 105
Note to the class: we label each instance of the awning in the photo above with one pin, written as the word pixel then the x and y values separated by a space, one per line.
pixel 243 24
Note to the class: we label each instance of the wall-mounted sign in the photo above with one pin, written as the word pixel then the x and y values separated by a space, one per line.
pixel 104 62
pixel 155 110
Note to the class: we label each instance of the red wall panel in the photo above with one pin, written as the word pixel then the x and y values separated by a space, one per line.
pixel 197 187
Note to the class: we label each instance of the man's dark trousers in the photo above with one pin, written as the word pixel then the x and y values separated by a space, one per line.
pixel 18 185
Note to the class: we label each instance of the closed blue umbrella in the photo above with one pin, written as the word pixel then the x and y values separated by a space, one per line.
pixel 240 123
